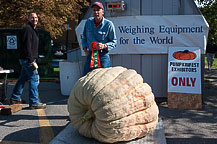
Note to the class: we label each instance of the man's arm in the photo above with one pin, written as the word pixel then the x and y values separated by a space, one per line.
pixel 112 37
pixel 27 43
pixel 84 39
pixel 86 51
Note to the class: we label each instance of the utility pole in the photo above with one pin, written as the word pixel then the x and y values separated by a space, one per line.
pixel 67 35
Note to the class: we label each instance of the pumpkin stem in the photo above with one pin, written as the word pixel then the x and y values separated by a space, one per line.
pixel 88 115
pixel 185 51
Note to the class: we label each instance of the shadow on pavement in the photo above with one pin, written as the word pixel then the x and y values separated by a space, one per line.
pixel 30 135
pixel 192 140
pixel 14 118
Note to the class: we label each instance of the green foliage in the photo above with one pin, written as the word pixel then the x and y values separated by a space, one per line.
pixel 205 2
pixel 210 13
pixel 214 65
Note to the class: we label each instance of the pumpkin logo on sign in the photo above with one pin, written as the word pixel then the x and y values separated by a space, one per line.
pixel 184 55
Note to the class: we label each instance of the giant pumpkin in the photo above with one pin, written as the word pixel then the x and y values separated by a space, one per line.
pixel 112 105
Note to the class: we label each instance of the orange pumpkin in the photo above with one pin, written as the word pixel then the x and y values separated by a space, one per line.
pixel 184 55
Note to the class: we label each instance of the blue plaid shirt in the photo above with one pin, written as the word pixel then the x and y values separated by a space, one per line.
pixel 104 33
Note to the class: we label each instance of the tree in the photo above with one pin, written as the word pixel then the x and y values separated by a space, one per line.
pixel 53 14
pixel 209 10
pixel 205 2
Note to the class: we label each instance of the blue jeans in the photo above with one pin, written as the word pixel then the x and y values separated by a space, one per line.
pixel 104 61
pixel 28 72
pixel 210 57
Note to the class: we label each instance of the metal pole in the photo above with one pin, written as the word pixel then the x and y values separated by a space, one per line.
pixel 67 33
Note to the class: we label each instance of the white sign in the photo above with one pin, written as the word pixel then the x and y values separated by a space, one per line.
pixel 155 34
pixel 184 70
pixel 12 42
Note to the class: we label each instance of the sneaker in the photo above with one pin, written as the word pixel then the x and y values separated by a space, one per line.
pixel 38 106
pixel 15 102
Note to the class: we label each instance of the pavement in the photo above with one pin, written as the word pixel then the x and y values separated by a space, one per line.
pixel 42 126
pixel 36 126
pixel 194 126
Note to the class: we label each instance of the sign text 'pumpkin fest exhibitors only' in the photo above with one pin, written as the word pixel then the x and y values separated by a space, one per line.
pixel 184 70
pixel 155 34
pixel 184 78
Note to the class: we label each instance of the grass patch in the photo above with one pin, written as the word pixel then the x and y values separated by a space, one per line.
pixel 214 65
pixel 43 78
pixel 53 76
pixel 48 78
pixel 56 69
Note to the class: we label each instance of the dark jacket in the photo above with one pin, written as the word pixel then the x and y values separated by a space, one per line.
pixel 30 43
pixel 211 48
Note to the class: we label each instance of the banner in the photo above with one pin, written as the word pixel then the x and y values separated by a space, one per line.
pixel 184 70
pixel 155 34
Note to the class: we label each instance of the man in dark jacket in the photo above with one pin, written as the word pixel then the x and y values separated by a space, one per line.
pixel 28 58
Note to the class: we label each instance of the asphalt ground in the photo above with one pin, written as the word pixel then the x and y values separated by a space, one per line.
pixel 193 126
pixel 36 126
pixel 41 126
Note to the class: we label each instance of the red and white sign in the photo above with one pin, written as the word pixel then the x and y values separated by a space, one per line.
pixel 184 70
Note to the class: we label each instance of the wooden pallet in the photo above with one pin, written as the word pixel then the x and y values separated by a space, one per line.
pixel 184 101
pixel 8 110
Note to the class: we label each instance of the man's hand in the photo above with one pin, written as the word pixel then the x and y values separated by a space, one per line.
pixel 101 46
pixel 86 51
pixel 38 60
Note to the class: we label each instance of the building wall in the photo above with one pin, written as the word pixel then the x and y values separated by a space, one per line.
pixel 152 67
